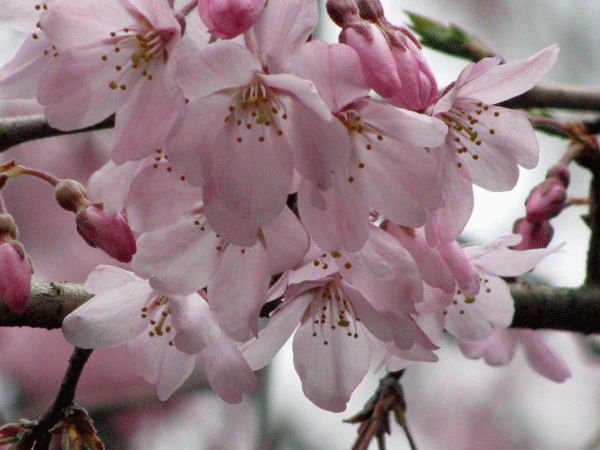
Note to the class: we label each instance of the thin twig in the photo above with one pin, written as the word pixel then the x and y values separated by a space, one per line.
pixel 40 434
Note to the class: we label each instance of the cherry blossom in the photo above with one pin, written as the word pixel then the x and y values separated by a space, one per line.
pixel 163 333
pixel 485 143
pixel 117 56
pixel 473 317
pixel 346 306
pixel 389 168
pixel 248 119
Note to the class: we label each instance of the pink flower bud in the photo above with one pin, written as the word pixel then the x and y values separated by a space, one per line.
pixel 109 232
pixel 546 200
pixel 227 19
pixel 15 276
pixel 535 235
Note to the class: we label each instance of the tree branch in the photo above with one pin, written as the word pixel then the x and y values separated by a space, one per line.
pixel 552 308
pixel 16 130
pixel 49 304
pixel 560 97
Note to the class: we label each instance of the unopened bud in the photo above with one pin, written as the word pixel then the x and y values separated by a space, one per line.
pixel 71 195
pixel 561 172
pixel 15 276
pixel 227 19
pixel 343 12
pixel 109 232
pixel 546 200
pixel 535 235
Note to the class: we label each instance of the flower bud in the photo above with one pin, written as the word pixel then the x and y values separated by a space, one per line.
pixel 546 200
pixel 109 232
pixel 535 235
pixel 15 276
pixel 71 195
pixel 227 19
pixel 343 12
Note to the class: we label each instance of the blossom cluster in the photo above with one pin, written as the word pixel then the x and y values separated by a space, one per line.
pixel 271 175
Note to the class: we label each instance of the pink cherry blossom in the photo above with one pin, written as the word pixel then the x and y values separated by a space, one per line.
pixel 389 168
pixel 248 124
pixel 117 56
pixel 163 333
pixel 474 317
pixel 347 306
pixel 485 143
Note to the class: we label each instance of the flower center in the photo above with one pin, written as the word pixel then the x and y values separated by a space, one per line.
pixel 159 314
pixel 468 126
pixel 135 51
pixel 331 311
pixel 255 110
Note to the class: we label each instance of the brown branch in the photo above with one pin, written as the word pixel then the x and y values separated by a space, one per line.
pixel 49 304
pixel 558 97
pixel 567 309
pixel 16 130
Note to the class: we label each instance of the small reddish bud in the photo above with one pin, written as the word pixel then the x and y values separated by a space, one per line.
pixel 535 235
pixel 561 172
pixel 109 232
pixel 546 200
pixel 15 276
pixel 227 19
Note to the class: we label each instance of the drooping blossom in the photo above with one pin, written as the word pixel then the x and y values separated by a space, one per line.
pixel 347 307
pixel 243 131
pixel 163 333
pixel 485 143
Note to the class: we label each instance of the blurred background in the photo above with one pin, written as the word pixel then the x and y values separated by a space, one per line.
pixel 454 404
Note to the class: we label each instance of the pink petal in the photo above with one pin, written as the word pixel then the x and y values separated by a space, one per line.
pixel 282 29
pixel 143 123
pixel 217 67
pixel 228 372
pixel 509 80
pixel 330 364
pixel 110 318
pixel 286 241
pixel 542 358
pixel 180 258
pixel 159 363
pixel 337 218
pixel 286 318
pixel 237 302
